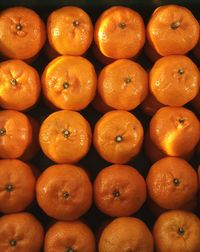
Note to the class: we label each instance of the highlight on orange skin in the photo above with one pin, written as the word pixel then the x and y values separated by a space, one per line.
pixel 119 32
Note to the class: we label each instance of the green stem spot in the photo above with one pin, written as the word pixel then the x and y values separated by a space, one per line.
pixel 13 243
pixel 118 139
pixel 2 132
pixel 9 188
pixel 122 25
pixel 175 25
pixel 181 231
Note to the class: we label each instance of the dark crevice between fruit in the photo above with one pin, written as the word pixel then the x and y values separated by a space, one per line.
pixel 66 85
pixel 19 27
pixel 122 25
pixel 66 195
pixel 9 188
pixel 175 25
pixel 2 132
pixel 66 133
pixel 76 23
pixel 118 139
pixel 181 231
pixel 176 181
pixel 116 194
pixel 13 243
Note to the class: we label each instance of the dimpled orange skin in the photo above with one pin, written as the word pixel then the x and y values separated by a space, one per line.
pixel 20 85
pixel 57 180
pixel 123 84
pixel 23 228
pixel 69 82
pixel 118 136
pixel 69 235
pixel 119 32
pixel 19 176
pixel 177 230
pixel 174 80
pixel 126 234
pixel 150 105
pixel 70 30
pixel 172 29
pixel 125 181
pixel 65 136
pixel 172 127
pixel 15 133
pixel 23 43
pixel 172 183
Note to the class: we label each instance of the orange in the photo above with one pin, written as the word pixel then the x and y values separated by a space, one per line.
pixel 154 153
pixel 65 136
pixel 68 188
pixel 119 32
pixel 69 236
pixel 22 33
pixel 17 184
pixel 172 183
pixel 20 232
pixel 118 136
pixel 20 85
pixel 172 29
pixel 172 127
pixel 99 105
pixel 151 53
pixel 119 190
pixel 150 105
pixel 157 210
pixel 70 30
pixel 123 84
pixel 174 80
pixel 177 231
pixel 69 82
pixel 15 133
pixel 33 147
pixel 126 234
